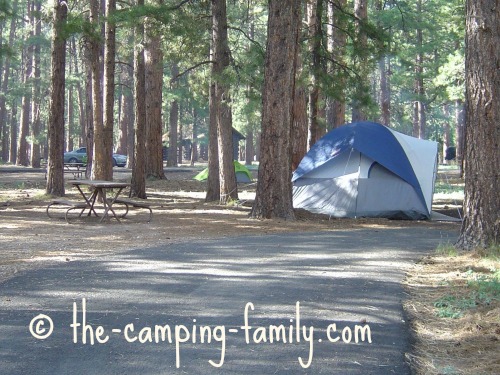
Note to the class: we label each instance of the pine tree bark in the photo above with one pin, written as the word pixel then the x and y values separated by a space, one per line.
pixel 385 99
pixel 459 133
pixel 300 123
pixel 35 112
pixel 179 137
pixel 138 184
pixel 173 122
pixel 336 107
pixel 71 116
pixel 274 187
pixel 419 78
pixel 314 11
pixel 4 90
pixel 55 172
pixel 22 152
pixel 194 139
pixel 213 184
pixel 227 176
pixel 361 95
pixel 415 115
pixel 446 132
pixel 154 85
pixel 99 155
pixel 481 225
pixel 89 110
pixel 249 147
pixel 82 118
pixel 109 89
pixel 13 132
pixel 125 115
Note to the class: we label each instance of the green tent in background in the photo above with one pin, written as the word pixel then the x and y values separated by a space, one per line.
pixel 242 173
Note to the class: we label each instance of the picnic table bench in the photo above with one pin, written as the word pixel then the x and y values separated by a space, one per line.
pixel 75 169
pixel 134 203
pixel 100 189
pixel 67 203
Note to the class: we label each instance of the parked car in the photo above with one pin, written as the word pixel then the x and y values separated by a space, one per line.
pixel 80 156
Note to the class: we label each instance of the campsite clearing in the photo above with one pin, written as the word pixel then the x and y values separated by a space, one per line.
pixel 31 241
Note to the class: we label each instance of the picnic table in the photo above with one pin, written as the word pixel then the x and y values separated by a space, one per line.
pixel 100 188
pixel 76 169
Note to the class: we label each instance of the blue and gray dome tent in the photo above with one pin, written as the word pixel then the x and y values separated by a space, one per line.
pixel 365 169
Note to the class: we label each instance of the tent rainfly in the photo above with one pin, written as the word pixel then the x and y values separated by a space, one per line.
pixel 242 173
pixel 365 169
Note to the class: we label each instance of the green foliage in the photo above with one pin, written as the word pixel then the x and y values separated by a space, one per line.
pixel 482 289
pixel 453 307
pixel 447 249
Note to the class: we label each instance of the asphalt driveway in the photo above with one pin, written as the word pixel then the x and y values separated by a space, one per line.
pixel 282 304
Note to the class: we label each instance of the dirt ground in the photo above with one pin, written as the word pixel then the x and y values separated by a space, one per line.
pixel 29 239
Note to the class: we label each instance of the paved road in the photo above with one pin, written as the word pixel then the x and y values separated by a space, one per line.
pixel 344 282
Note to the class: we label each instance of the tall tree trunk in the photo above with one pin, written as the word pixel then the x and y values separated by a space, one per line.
pixel 385 102
pixel 481 225
pixel 4 90
pixel 173 122
pixel 459 133
pixel 274 187
pixel 249 147
pixel 55 172
pixel 336 108
pixel 35 133
pixel 194 141
pixel 99 155
pixel 180 137
pixel 385 97
pixel 314 11
pixel 70 134
pixel 419 77
pixel 415 115
pixel 131 132
pixel 82 118
pixel 154 85
pixel 13 133
pixel 213 185
pixel 227 175
pixel 125 118
pixel 300 123
pixel 361 94
pixel 138 185
pixel 446 132
pixel 89 110
pixel 22 152
pixel 109 89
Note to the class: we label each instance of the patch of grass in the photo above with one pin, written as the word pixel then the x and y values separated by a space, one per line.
pixel 486 288
pixel 448 167
pixel 447 249
pixel 491 253
pixel 482 289
pixel 42 196
pixel 453 307
pixel 443 187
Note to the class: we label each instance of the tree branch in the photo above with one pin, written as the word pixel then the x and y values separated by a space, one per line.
pixel 173 79
pixel 247 36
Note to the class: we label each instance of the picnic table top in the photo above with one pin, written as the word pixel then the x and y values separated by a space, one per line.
pixel 100 183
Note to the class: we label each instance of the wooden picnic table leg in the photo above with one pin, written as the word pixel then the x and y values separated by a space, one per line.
pixel 108 204
pixel 90 201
